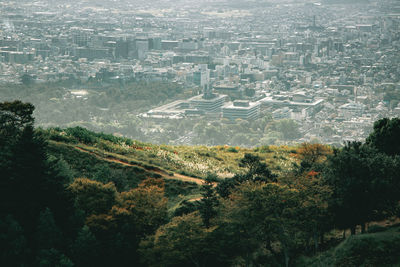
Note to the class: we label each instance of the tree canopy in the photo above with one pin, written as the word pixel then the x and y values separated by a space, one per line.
pixel 52 215
pixel 385 136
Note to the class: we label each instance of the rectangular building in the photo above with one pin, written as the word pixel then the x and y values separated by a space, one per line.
pixel 209 104
pixel 241 110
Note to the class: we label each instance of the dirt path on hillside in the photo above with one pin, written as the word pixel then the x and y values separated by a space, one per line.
pixel 164 174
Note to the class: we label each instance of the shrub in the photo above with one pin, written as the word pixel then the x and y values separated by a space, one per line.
pixel 263 149
pixel 232 150
pixel 81 134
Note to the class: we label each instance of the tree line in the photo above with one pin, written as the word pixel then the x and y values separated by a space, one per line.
pixel 257 218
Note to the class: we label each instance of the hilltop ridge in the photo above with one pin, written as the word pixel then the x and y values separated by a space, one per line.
pixel 72 197
pixel 186 165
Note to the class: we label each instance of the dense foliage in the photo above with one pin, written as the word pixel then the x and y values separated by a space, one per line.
pixel 385 137
pixel 107 107
pixel 59 213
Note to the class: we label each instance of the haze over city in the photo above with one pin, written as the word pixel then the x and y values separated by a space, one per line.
pixel 206 133
pixel 205 72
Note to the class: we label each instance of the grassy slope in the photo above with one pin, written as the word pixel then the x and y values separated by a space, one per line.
pixel 84 163
pixel 126 162
pixel 195 161
pixel 371 249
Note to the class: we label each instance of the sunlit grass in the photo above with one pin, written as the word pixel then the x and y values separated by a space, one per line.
pixel 196 161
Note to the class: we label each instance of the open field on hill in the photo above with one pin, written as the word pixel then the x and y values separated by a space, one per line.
pixel 193 161
pixel 126 162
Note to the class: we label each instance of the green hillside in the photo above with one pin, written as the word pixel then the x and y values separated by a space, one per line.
pixel 72 197
pixel 196 161
pixel 371 249
pixel 127 162
pixel 184 169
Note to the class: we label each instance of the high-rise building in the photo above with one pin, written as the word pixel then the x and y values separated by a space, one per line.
pixel 142 46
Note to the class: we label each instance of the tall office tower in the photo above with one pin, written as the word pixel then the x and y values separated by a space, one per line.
pixel 205 81
pixel 142 46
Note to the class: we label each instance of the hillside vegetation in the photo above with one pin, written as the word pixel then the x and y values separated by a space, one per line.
pixel 72 197
pixel 125 162
pixel 197 161
pixel 370 249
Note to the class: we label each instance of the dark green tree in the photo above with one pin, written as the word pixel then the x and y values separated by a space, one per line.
pixel 13 244
pixel 47 233
pixel 93 197
pixel 209 201
pixel 23 187
pixel 181 242
pixel 14 117
pixel 225 186
pixel 263 214
pixel 364 185
pixel 52 257
pixel 85 248
pixel 255 171
pixel 29 181
pixel 385 136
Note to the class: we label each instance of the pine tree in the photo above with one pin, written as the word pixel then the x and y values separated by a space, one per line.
pixel 209 201
pixel 85 248
pixel 47 233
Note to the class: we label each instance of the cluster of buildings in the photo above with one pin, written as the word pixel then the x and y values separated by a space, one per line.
pixel 327 65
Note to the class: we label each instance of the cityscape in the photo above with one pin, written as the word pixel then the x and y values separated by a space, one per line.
pixel 328 69
pixel 204 133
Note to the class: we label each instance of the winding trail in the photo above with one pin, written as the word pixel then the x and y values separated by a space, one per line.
pixel 163 173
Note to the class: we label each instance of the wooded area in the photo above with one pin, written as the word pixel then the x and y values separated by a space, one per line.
pixel 257 218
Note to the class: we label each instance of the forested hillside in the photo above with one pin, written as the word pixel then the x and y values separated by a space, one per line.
pixel 72 197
